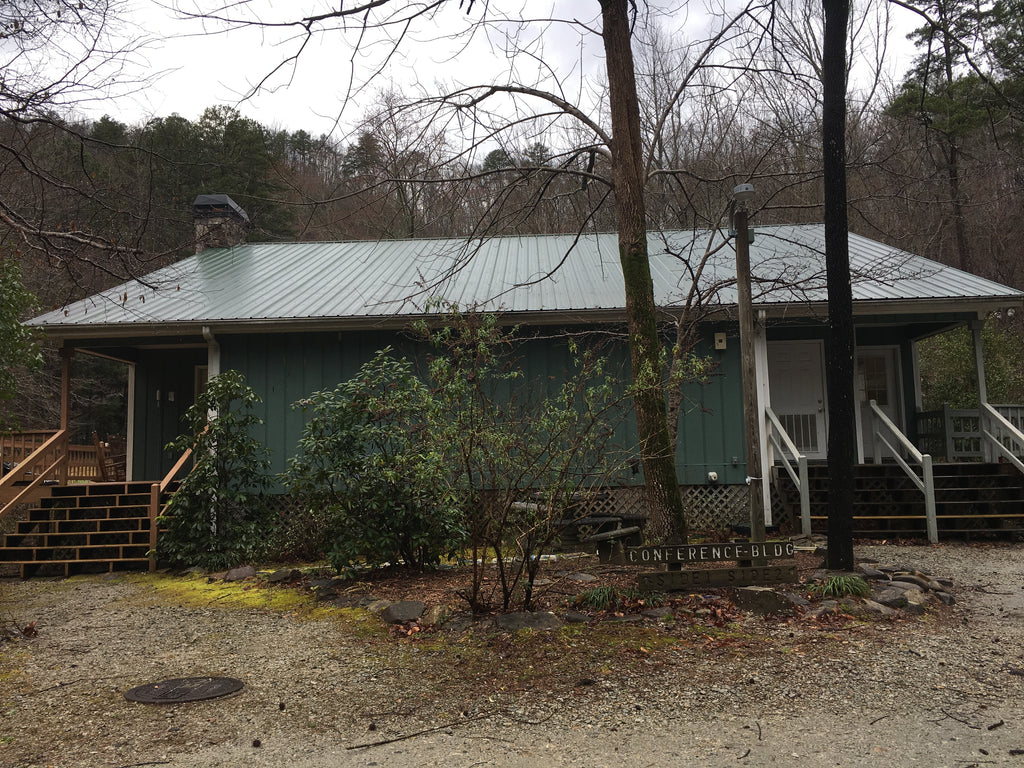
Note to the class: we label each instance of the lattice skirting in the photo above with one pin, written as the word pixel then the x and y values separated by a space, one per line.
pixel 708 507
pixel 716 507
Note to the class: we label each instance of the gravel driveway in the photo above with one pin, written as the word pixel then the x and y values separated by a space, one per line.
pixel 329 687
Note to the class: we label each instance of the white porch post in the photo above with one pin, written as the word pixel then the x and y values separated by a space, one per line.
pixel 979 374
pixel 763 401
pixel 979 361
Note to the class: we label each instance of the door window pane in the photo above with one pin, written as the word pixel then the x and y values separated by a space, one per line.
pixel 873 374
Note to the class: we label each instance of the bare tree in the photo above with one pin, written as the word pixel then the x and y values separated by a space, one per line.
pixel 56 56
pixel 842 435
pixel 607 156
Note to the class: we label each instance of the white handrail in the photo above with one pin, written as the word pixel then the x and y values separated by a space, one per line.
pixel 782 443
pixel 988 412
pixel 925 483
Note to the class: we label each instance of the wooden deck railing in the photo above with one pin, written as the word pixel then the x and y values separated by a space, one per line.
pixel 156 492
pixel 47 462
pixel 15 447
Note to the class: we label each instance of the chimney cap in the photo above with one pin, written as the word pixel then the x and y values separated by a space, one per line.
pixel 218 205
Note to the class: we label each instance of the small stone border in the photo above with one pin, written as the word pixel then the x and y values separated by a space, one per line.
pixel 896 589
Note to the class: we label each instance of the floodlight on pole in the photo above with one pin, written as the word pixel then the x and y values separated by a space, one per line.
pixel 741 193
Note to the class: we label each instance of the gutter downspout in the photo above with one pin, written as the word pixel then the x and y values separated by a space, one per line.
pixel 212 353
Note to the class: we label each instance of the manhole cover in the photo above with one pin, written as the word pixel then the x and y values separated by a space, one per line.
pixel 184 689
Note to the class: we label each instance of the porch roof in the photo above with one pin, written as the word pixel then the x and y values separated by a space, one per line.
pixel 548 278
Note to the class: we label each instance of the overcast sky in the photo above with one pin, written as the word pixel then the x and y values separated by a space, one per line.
pixel 195 69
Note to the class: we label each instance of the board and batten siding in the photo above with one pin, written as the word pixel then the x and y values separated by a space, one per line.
pixel 711 423
pixel 159 420
pixel 284 368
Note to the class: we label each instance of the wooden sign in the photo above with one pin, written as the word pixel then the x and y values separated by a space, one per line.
pixel 704 553
pixel 658 581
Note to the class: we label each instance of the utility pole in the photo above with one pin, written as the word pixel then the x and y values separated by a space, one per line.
pixel 751 412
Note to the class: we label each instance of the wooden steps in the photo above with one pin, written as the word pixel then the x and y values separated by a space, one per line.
pixel 79 528
pixel 970 499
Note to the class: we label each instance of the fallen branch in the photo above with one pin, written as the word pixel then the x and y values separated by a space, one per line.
pixel 954 717
pixel 414 734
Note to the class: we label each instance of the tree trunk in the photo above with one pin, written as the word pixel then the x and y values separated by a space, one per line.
pixel 665 504
pixel 842 429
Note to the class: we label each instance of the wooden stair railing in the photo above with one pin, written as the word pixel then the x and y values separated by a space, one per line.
pixel 156 493
pixel 47 462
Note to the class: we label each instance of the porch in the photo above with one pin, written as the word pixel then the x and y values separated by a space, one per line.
pixel 963 476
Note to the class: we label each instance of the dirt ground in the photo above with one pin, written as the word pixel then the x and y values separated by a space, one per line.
pixel 705 684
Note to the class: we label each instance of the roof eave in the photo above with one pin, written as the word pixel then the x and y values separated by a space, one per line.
pixel 980 306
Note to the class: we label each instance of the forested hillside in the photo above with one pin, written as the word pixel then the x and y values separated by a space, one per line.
pixel 936 159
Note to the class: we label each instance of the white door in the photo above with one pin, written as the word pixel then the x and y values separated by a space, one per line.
pixel 876 380
pixel 796 380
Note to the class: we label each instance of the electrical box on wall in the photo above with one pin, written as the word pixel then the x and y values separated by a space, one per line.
pixel 720 340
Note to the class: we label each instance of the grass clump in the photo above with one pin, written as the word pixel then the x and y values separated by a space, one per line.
pixel 842 586
pixel 608 598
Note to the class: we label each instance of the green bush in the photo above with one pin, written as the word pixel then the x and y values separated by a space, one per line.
pixel 524 453
pixel 217 518
pixel 366 456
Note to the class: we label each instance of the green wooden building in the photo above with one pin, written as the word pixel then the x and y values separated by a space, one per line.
pixel 299 317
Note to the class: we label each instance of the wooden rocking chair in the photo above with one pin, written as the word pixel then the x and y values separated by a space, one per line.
pixel 111 458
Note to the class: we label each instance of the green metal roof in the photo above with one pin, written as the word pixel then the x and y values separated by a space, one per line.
pixel 557 276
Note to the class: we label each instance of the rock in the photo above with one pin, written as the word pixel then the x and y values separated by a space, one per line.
pixel 922 582
pixel 283 574
pixel 583 577
pixel 323 589
pixel 945 598
pixel 825 608
pixel 915 601
pixel 436 615
pixel 761 600
pixel 870 606
pixel 513 622
pixel 243 572
pixel 849 605
pixel 904 585
pixel 657 613
pixel 892 597
pixel 378 606
pixel 869 573
pixel 401 612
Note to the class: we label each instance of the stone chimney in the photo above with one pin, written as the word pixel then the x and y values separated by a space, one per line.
pixel 219 222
